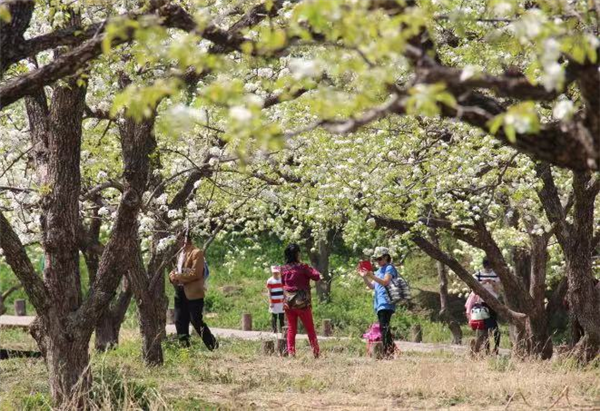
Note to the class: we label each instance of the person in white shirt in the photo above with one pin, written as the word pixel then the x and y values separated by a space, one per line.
pixel 275 288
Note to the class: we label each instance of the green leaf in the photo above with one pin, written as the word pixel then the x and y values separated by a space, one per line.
pixel 510 133
pixel 495 123
pixel 5 14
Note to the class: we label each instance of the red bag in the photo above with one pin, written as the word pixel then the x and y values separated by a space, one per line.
pixel 365 266
pixel 477 324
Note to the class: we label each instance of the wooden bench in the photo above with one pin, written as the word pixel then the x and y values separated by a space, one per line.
pixel 14 321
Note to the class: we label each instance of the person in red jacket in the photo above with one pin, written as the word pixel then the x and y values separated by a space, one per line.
pixel 296 277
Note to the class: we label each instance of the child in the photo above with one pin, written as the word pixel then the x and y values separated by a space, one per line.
pixel 275 298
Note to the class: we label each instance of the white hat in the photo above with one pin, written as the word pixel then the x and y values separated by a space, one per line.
pixel 380 251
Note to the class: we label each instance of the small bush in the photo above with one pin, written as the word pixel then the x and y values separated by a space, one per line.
pixel 112 390
pixel 501 364
pixel 37 402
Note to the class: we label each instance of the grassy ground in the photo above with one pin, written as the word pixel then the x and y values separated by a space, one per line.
pixel 239 377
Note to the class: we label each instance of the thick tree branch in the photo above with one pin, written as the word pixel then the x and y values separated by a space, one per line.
pixel 550 144
pixel 17 259
pixel 550 200
pixel 11 33
pixel 92 192
pixel 70 36
pixel 138 142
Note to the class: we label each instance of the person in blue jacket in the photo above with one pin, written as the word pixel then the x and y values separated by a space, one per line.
pixel 378 281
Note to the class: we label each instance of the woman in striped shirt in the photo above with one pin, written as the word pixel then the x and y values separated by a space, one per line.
pixel 275 288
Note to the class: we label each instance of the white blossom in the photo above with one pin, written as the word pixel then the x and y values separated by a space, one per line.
pixel 215 151
pixel 255 100
pixel 563 110
pixel 164 243
pixel 162 199
pixel 265 72
pixel 521 124
pixel 467 72
pixel 304 68
pixel 553 76
pixel 240 113
pixel 502 9
pixel 146 223
pixel 173 214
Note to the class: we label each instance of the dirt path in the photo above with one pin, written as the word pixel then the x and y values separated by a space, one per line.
pixel 11 321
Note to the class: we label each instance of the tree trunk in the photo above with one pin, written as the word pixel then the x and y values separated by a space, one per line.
pixel 56 133
pixel 152 328
pixel 109 326
pixel 107 333
pixel 67 360
pixel 319 258
pixel 538 340
pixel 148 288
pixel 323 288
pixel 576 241
pixel 518 334
pixel 444 311
pixel 584 297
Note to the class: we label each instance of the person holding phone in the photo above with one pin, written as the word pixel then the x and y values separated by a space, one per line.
pixel 378 281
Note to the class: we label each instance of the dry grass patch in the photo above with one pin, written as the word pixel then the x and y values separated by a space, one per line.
pixel 238 377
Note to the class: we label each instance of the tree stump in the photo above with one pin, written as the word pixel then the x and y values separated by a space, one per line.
pixel 375 349
pixel 268 347
pixel 20 308
pixel 282 342
pixel 246 322
pixel 456 332
pixel 282 347
pixel 170 316
pixel 416 333
pixel 327 328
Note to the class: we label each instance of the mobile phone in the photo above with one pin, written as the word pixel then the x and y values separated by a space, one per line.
pixel 365 266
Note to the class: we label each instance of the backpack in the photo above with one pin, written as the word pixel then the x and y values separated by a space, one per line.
pixel 479 314
pixel 206 271
pixel 398 290
pixel 206 274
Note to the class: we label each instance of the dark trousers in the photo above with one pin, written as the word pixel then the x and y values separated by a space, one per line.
pixel 493 330
pixel 274 318
pixel 384 317
pixel 187 311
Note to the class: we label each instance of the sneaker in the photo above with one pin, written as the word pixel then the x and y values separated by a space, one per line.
pixel 185 342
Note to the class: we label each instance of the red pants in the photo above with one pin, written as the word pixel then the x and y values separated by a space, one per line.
pixel 305 315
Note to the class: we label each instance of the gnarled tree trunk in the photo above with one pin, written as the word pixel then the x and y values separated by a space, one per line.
pixel 444 311
pixel 577 241
pixel 109 325
pixel 320 251
pixel 584 298
pixel 56 134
